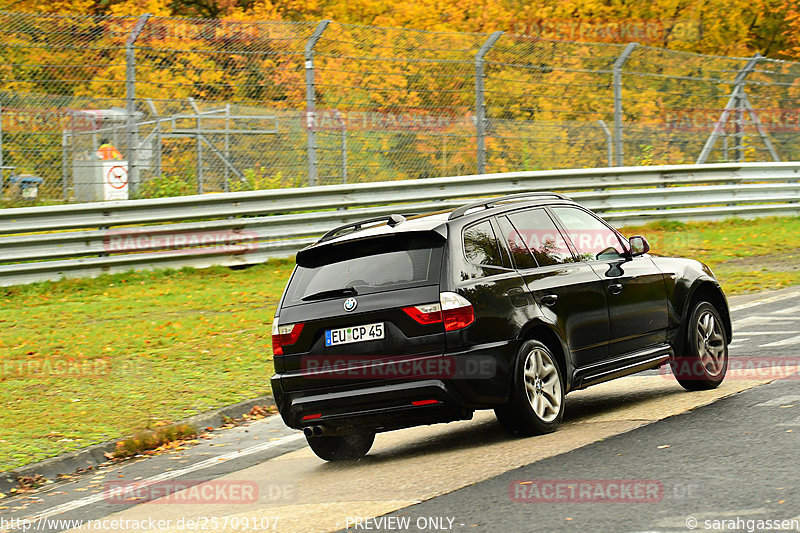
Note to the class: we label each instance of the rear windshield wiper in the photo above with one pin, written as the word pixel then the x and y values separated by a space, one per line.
pixel 344 291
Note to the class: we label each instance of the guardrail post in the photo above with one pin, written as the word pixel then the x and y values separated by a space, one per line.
pixel 734 102
pixel 618 64
pixel 130 101
pixel 480 104
pixel 311 102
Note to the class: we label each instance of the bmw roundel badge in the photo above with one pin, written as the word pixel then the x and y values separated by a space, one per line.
pixel 350 304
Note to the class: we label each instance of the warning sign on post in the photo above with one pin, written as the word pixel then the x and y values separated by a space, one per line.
pixel 115 184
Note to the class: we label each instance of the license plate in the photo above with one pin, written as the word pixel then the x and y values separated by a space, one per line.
pixel 369 332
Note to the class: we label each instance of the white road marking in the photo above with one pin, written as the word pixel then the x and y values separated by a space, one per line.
pixel 781 400
pixel 768 332
pixel 788 311
pixel 172 474
pixel 762 319
pixel 768 300
pixel 791 341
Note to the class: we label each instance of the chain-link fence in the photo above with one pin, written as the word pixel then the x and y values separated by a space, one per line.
pixel 96 108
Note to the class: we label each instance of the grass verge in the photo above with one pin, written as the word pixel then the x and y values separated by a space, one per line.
pixel 84 361
pixel 745 255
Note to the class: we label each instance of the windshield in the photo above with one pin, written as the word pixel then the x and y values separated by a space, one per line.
pixel 362 267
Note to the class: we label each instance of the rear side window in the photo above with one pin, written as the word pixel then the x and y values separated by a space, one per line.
pixel 480 245
pixel 523 259
pixel 367 266
pixel 542 237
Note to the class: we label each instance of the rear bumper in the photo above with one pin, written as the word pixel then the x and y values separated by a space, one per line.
pixel 382 407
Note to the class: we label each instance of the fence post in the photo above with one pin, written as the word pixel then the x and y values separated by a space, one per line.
pixel 733 103
pixel 159 140
pixel 480 104
pixel 609 142
pixel 65 149
pixel 227 146
pixel 311 102
pixel 738 90
pixel 198 140
pixel 130 100
pixel 343 125
pixel 2 170
pixel 618 64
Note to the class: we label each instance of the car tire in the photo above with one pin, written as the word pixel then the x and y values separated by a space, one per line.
pixel 342 447
pixel 704 360
pixel 536 405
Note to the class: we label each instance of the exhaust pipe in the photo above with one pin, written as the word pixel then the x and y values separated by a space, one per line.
pixel 314 431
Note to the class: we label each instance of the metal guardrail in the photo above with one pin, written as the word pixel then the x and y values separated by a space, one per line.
pixel 81 240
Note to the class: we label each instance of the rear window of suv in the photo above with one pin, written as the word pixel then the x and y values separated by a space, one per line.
pixel 367 266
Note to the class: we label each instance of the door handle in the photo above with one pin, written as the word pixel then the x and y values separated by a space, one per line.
pixel 549 299
pixel 615 288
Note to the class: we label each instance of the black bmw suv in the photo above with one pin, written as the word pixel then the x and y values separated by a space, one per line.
pixel 506 304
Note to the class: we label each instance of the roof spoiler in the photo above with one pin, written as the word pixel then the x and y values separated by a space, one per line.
pixel 391 220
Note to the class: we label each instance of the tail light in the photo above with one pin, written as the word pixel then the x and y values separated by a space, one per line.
pixel 425 314
pixel 284 336
pixel 453 310
pixel 457 312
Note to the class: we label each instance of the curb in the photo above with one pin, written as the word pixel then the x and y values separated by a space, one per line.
pixel 94 455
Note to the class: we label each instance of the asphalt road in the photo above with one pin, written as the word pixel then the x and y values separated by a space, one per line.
pixel 736 459
pixel 713 455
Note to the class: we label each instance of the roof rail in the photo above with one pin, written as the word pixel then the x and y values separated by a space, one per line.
pixel 490 202
pixel 391 220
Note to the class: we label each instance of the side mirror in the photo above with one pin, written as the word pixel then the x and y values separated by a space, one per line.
pixel 639 245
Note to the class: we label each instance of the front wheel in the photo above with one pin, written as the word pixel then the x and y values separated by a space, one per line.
pixel 536 405
pixel 342 447
pixel 704 362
